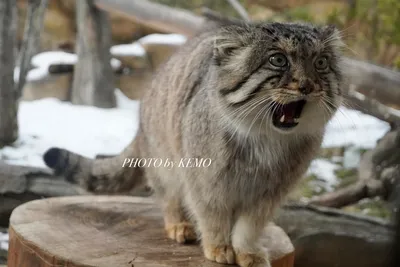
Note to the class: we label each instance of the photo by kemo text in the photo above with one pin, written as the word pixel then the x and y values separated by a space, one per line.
pixel 167 163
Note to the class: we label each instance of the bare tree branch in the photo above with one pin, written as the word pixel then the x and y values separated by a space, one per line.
pixel 372 107
pixel 379 83
pixel 155 15
pixel 239 9
pixel 350 195
pixel 378 175
pixel 31 39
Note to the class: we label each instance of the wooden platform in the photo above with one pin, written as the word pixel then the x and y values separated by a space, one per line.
pixel 88 231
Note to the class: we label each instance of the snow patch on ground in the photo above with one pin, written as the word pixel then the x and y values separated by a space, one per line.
pixel 81 129
pixel 324 170
pixel 4 241
pixel 353 128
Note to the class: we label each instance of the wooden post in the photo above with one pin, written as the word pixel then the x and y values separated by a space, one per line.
pixel 8 95
pixel 93 79
pixel 88 231
pixel 31 40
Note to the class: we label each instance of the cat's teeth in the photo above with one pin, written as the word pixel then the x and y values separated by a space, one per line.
pixel 282 119
pixel 296 120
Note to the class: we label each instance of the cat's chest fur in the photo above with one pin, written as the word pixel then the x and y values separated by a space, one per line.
pixel 247 172
pixel 262 167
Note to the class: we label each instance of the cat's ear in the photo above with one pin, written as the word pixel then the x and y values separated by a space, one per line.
pixel 329 30
pixel 332 35
pixel 226 46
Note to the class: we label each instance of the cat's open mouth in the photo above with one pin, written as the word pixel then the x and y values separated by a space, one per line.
pixel 286 116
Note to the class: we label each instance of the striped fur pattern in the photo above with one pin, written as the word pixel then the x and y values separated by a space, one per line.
pixel 216 98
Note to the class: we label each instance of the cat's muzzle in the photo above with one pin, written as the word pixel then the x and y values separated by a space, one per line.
pixel 286 116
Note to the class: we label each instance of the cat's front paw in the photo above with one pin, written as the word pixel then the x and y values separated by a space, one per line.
pixel 181 232
pixel 252 260
pixel 221 254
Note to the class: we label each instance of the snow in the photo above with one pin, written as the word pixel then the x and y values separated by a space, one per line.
pixel 324 170
pixel 353 128
pixel 115 63
pixel 42 61
pixel 46 59
pixel 137 49
pixel 3 241
pixel 133 49
pixel 33 75
pixel 82 129
pixel 156 38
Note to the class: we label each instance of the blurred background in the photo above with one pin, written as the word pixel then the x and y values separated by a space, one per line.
pixel 72 74
pixel 370 26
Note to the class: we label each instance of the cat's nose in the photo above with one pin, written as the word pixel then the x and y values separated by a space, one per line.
pixel 306 87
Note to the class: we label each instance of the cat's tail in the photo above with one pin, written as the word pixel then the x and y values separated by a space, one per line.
pixel 107 175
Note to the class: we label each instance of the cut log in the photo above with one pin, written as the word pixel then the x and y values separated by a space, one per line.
pixel 108 231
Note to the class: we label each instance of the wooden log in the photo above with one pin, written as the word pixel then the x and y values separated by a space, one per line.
pixel 373 81
pixel 154 15
pixel 20 184
pixel 326 237
pixel 108 231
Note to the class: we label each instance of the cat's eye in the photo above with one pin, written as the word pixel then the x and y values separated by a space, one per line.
pixel 321 63
pixel 278 60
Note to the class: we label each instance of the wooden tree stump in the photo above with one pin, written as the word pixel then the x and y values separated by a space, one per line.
pixel 86 231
